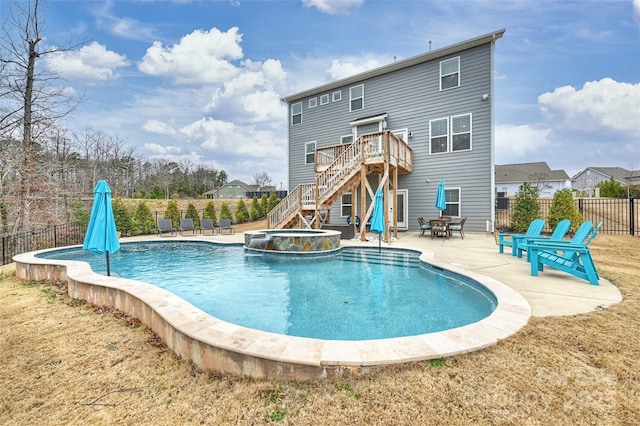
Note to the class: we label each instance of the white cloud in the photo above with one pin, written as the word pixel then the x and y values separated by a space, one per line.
pixel 341 68
pixel 92 62
pixel 161 149
pixel 636 11
pixel 333 7
pixel 513 142
pixel 605 105
pixel 202 57
pixel 159 127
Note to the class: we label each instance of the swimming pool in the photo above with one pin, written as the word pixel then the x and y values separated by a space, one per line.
pixel 212 344
pixel 352 294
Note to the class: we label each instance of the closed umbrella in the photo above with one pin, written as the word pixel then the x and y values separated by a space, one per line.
pixel 101 236
pixel 441 201
pixel 377 221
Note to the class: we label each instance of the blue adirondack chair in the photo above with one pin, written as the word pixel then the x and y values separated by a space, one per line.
pixel 534 230
pixel 558 235
pixel 572 257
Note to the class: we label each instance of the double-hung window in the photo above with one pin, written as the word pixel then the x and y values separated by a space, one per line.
pixel 356 97
pixel 461 132
pixel 450 73
pixel 346 204
pixel 439 136
pixel 296 113
pixel 453 202
pixel 309 152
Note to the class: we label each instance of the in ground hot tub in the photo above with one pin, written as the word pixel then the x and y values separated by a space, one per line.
pixel 292 240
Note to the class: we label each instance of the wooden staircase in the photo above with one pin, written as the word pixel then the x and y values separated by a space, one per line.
pixel 339 168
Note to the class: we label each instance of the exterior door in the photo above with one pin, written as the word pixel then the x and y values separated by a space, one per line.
pixel 402 209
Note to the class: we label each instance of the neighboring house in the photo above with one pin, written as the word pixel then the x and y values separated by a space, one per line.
pixel 233 189
pixel 239 189
pixel 587 181
pixel 399 128
pixel 509 177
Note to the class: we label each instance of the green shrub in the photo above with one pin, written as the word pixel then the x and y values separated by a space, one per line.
pixel 526 208
pixel 256 209
pixel 264 204
pixel 122 216
pixel 273 201
pixel 612 189
pixel 80 213
pixel 173 212
pixel 143 220
pixel 225 212
pixel 192 213
pixel 563 207
pixel 241 213
pixel 210 212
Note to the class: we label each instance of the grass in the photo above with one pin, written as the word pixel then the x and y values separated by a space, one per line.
pixel 69 363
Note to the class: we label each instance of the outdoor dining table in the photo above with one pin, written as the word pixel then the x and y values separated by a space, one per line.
pixel 440 227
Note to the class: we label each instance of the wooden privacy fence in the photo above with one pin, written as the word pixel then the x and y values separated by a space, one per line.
pixel 618 215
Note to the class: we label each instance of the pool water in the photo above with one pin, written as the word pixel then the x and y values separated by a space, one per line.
pixel 352 294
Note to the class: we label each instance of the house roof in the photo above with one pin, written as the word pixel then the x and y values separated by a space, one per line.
pixel 526 172
pixel 395 66
pixel 618 173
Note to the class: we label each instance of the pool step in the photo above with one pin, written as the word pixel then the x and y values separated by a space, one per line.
pixel 385 257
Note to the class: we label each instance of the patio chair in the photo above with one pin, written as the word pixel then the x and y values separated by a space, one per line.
pixel 424 225
pixel 186 225
pixel 572 257
pixel 457 226
pixel 558 235
pixel 207 225
pixel 165 225
pixel 225 224
pixel 439 228
pixel 511 240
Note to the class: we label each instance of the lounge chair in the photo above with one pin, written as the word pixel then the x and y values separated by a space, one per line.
pixel 572 257
pixel 186 225
pixel 225 224
pixel 534 230
pixel 558 234
pixel 424 225
pixel 457 226
pixel 207 225
pixel 165 225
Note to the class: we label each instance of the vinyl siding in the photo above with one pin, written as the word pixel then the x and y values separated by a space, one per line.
pixel 411 97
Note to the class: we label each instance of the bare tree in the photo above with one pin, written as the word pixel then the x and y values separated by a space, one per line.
pixel 539 181
pixel 33 99
pixel 261 179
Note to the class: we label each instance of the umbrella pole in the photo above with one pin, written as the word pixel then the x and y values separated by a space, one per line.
pixel 108 268
pixel 379 243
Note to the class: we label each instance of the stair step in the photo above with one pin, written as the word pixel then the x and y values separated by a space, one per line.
pixel 384 257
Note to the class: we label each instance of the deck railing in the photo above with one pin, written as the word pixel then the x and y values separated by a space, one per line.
pixel 302 196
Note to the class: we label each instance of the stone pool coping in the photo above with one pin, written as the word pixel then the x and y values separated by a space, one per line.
pixel 213 344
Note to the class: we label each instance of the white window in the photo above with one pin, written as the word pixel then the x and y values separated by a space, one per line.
pixel 296 113
pixel 324 99
pixel 439 136
pixel 348 139
pixel 450 73
pixel 309 152
pixel 346 204
pixel 461 132
pixel 356 98
pixel 336 96
pixel 313 102
pixel 452 195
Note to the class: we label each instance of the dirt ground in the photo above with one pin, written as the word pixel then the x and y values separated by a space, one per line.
pixel 64 362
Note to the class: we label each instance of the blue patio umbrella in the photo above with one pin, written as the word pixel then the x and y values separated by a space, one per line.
pixel 101 236
pixel 377 221
pixel 441 201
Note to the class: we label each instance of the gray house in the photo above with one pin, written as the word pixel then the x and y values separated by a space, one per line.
pixel 509 177
pixel 586 182
pixel 400 128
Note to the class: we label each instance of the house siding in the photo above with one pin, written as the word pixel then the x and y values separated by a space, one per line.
pixel 411 97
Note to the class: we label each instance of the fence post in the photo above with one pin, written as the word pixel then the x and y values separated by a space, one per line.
pixel 632 215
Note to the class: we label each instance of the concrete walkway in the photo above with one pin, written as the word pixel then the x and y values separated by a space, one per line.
pixel 551 293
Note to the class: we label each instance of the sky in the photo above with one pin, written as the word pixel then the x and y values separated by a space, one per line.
pixel 201 82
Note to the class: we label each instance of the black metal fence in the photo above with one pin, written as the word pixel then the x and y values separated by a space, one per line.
pixel 53 236
pixel 618 215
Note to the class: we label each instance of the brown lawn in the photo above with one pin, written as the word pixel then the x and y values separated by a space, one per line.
pixel 64 362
